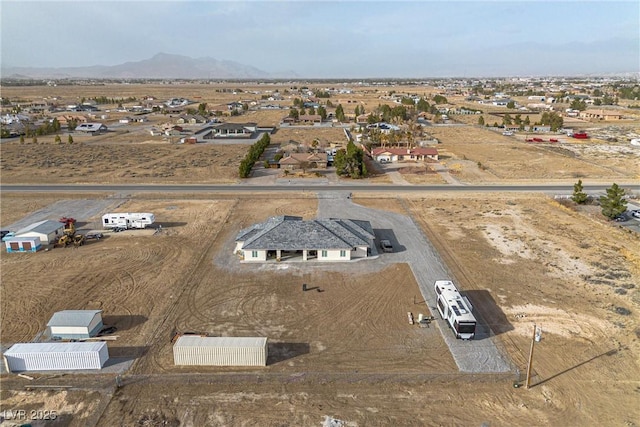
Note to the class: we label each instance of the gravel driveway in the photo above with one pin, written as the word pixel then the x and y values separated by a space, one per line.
pixel 412 247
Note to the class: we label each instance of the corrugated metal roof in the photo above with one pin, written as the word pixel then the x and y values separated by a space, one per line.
pixel 292 233
pixel 225 342
pixel 73 317
pixel 45 227
pixel 55 347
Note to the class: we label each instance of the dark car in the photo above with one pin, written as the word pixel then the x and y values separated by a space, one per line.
pixel 94 235
pixel 386 246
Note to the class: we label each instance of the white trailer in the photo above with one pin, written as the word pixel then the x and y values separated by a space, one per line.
pixel 127 220
pixel 455 309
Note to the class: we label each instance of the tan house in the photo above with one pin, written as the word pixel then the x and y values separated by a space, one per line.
pixel 392 155
pixel 304 161
pixel 600 115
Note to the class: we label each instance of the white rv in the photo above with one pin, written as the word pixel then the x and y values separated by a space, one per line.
pixel 127 220
pixel 455 309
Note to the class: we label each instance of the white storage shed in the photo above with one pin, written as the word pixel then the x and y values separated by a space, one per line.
pixel 75 324
pixel 220 351
pixel 48 231
pixel 23 244
pixel 56 356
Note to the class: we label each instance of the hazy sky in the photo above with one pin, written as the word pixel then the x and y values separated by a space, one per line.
pixel 332 39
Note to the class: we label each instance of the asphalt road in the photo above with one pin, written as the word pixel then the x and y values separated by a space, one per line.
pixel 302 186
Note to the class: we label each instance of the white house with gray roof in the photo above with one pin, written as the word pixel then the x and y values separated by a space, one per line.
pixel 48 231
pixel 287 237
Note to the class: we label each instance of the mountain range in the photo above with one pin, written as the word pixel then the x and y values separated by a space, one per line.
pixel 160 66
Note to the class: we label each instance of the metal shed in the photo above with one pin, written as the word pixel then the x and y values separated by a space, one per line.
pixel 56 356
pixel 75 324
pixel 23 244
pixel 220 351
pixel 48 231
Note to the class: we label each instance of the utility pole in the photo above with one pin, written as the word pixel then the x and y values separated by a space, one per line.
pixel 533 341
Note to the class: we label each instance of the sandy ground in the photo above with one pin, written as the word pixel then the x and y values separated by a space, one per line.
pixel 346 352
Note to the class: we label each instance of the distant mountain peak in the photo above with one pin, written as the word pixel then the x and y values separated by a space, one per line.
pixel 161 65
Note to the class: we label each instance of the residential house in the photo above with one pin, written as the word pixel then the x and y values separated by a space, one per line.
pixel 290 237
pixel 304 161
pixel 92 128
pixel 600 115
pixel 393 155
pixel 226 130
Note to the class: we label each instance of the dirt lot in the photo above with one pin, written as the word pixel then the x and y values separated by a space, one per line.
pixel 474 154
pixel 346 352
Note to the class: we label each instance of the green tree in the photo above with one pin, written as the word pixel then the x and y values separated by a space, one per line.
pixel 350 161
pixel 481 121
pixel 422 105
pixel 293 113
pixel 322 112
pixel 506 120
pixel 511 105
pixel 579 196
pixel 70 139
pixel 340 113
pixel 357 111
pixel 58 140
pixel 202 109
pixel 578 104
pixel 613 204
pixel 439 99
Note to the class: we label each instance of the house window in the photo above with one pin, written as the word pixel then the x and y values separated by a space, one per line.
pixel 343 254
pixel 323 254
pixel 254 254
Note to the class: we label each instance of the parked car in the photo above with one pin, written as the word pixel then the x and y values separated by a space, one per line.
pixel 94 235
pixel 386 246
pixel 620 218
pixel 636 213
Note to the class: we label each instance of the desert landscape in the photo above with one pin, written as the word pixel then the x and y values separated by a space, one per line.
pixel 343 352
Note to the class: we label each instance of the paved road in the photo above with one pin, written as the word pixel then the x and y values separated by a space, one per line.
pixel 411 246
pixel 298 185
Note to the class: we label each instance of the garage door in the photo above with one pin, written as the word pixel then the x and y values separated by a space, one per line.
pixel 26 246
pixel 15 246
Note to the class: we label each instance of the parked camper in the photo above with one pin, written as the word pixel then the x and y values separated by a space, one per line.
pixel 127 220
pixel 455 309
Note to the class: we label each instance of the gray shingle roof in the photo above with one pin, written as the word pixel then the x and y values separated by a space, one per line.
pixel 73 317
pixel 292 233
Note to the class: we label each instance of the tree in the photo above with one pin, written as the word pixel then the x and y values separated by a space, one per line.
pixel 511 105
pixel 21 139
pixel 579 196
pixel 350 161
pixel 481 121
pixel 293 113
pixel 202 109
pixel 58 140
pixel 506 120
pixel 422 105
pixel 340 113
pixel 578 104
pixel 357 111
pixel 322 112
pixel 613 204
pixel 439 99
pixel 70 139
pixel 34 139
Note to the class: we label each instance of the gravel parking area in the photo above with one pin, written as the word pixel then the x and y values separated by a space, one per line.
pixel 86 211
pixel 412 247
